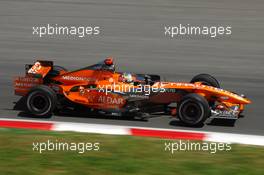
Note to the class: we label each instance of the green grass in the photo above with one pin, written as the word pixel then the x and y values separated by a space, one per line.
pixel 119 155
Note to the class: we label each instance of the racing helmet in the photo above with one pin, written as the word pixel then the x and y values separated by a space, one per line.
pixel 127 77
pixel 109 61
pixel 109 64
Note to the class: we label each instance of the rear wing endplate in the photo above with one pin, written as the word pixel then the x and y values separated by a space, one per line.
pixel 40 69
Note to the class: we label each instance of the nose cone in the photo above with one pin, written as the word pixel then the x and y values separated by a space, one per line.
pixel 240 99
pixel 246 100
pixel 230 96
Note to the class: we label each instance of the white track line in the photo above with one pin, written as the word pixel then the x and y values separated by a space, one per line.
pixel 141 131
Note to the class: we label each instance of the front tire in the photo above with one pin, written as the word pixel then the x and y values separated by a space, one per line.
pixel 206 79
pixel 41 101
pixel 193 110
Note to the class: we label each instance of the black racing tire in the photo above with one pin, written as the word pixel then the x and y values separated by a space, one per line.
pixel 41 101
pixel 206 79
pixel 193 110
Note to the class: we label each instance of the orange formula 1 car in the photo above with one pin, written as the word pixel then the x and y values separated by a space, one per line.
pixel 47 88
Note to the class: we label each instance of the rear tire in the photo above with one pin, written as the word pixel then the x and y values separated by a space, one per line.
pixel 206 79
pixel 193 110
pixel 41 101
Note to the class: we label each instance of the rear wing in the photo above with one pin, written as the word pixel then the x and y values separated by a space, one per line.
pixel 34 76
pixel 40 69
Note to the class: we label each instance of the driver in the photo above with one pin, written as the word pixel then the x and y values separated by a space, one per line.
pixel 127 78
pixel 109 64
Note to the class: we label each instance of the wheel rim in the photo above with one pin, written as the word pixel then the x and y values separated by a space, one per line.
pixel 39 103
pixel 191 112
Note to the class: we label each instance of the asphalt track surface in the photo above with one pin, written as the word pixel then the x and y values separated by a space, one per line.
pixel 133 32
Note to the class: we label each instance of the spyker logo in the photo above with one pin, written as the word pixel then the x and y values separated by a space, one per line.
pixel 35 68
